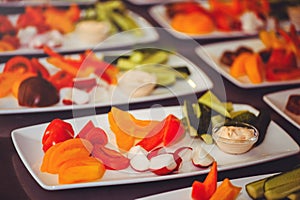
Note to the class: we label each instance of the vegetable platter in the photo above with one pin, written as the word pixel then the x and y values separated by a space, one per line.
pixel 214 19
pixel 212 53
pixel 99 26
pixel 29 145
pixel 61 71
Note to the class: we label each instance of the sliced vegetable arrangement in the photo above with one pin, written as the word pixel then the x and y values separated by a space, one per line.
pixel 203 116
pixel 72 155
pixel 279 186
pixel 276 62
pixel 209 190
pixel 87 78
pixel 47 25
pixel 142 145
pixel 195 18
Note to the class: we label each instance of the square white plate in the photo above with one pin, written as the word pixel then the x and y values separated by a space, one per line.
pixel 212 53
pixel 158 12
pixel 27 141
pixel 278 101
pixel 185 193
pixel 198 81
pixel 71 41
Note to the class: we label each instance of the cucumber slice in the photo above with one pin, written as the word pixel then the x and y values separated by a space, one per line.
pixel 137 57
pixel 256 189
pixel 156 58
pixel 283 190
pixel 165 75
pixel 283 179
pixel 125 64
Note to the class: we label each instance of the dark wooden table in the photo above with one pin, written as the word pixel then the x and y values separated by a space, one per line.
pixel 17 183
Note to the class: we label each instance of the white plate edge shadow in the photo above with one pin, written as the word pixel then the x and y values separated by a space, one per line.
pixel 279 108
pixel 204 52
pixel 196 74
pixel 293 149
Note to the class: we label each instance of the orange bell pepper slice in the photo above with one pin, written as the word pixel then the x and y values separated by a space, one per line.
pixel 226 191
pixel 80 170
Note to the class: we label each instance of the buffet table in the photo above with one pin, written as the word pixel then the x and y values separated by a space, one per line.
pixel 17 183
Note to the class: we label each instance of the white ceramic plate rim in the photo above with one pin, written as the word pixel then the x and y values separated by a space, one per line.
pixel 278 101
pixel 198 80
pixel 159 14
pixel 27 142
pixel 120 39
pixel 185 193
pixel 211 54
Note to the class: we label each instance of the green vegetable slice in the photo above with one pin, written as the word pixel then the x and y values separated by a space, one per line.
pixel 210 100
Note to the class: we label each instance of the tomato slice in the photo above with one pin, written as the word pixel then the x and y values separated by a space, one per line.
pixel 19 64
pixel 61 79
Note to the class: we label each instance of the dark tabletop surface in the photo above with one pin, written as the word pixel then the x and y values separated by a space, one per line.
pixel 17 183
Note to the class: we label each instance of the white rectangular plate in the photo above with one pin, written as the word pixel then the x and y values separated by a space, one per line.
pixel 278 101
pixel 27 142
pixel 212 53
pixel 185 193
pixel 158 12
pixel 121 39
pixel 197 82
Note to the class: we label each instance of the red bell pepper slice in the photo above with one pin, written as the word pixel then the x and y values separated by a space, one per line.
pixel 61 79
pixel 19 64
pixel 57 131
pixel 198 191
pixel 166 132
pixel 279 74
pixel 39 68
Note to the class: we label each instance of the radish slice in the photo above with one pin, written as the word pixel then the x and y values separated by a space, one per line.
pixel 75 95
pixel 136 150
pixel 85 83
pixel 183 155
pixel 156 152
pixel 140 163
pixel 201 158
pixel 163 164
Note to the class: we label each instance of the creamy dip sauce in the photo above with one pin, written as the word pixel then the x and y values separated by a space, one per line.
pixel 235 133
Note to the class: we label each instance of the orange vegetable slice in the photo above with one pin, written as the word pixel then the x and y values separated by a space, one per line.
pixel 5 46
pixel 254 68
pixel 6 81
pixel 81 170
pixel 69 149
pixel 17 83
pixel 237 68
pixel 127 128
pixel 124 140
pixel 226 191
pixel 46 158
pixel 130 125
pixel 193 23
pixel 210 181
